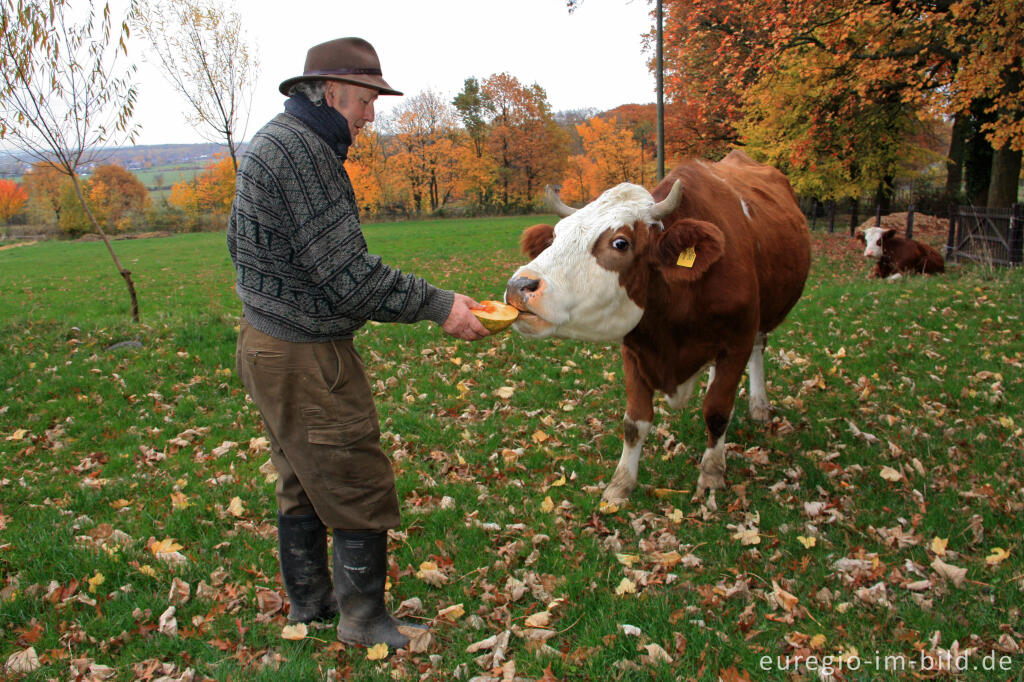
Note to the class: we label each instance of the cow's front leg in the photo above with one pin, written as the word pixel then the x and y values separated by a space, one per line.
pixel 760 408
pixel 718 404
pixel 636 425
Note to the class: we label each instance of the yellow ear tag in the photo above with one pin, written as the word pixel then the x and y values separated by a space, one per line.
pixel 687 258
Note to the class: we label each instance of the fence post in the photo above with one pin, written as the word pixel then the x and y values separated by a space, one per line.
pixel 831 216
pixel 951 237
pixel 878 215
pixel 910 221
pixel 854 205
pixel 1017 234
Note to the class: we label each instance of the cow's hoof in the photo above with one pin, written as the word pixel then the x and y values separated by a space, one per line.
pixel 619 490
pixel 760 413
pixel 707 482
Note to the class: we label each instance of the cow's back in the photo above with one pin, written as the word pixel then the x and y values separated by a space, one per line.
pixel 765 231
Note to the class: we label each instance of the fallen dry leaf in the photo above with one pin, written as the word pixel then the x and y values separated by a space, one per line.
pixel 626 586
pixel 890 474
pixel 538 620
pixel 236 508
pixel 294 632
pixel 453 612
pixel 938 546
pixel 783 598
pixel 168 624
pixel 377 652
pixel 953 574
pixel 24 661
pixel 997 556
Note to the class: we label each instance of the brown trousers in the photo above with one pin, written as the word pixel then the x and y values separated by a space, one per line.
pixel 324 433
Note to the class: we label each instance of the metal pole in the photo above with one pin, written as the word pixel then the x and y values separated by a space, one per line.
pixel 659 68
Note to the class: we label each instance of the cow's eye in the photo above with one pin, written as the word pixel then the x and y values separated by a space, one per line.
pixel 620 243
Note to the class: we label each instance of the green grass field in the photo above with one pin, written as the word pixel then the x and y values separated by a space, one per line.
pixel 873 527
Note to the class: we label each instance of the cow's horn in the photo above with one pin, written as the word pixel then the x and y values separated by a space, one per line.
pixel 669 203
pixel 557 205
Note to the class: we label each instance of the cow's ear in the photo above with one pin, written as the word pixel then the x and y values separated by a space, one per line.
pixel 535 239
pixel 686 248
pixel 888 234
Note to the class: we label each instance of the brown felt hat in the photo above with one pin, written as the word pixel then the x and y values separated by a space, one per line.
pixel 350 60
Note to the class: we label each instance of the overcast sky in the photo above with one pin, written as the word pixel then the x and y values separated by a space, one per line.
pixel 591 58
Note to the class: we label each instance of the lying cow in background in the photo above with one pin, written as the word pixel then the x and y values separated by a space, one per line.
pixel 897 255
pixel 689 277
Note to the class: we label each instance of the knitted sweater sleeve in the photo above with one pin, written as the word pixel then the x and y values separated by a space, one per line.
pixel 329 244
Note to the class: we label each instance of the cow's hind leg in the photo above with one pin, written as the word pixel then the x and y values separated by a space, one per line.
pixel 760 409
pixel 636 425
pixel 718 403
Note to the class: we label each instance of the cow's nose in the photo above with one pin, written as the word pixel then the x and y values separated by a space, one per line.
pixel 520 290
pixel 521 284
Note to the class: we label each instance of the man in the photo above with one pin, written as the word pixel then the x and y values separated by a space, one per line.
pixel 307 284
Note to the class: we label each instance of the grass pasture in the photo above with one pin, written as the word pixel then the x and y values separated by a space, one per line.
pixel 872 529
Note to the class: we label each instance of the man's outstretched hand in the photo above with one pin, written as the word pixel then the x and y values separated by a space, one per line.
pixel 462 323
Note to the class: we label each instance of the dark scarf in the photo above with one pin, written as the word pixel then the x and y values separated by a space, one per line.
pixel 324 120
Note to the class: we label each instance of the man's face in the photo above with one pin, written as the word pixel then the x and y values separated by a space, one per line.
pixel 354 102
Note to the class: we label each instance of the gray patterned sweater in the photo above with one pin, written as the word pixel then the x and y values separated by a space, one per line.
pixel 304 272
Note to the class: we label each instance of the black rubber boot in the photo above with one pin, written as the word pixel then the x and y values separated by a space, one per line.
pixel 360 573
pixel 302 543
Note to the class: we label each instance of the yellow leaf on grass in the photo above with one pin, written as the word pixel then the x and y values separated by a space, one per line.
pixel 377 652
pixel 96 581
pixel 146 569
pixel 675 516
pixel 560 482
pixel 807 542
pixel 818 641
pixel 19 434
pixel 626 586
pixel 539 436
pixel 997 556
pixel 294 632
pixel 179 500
pixel 165 546
pixel 120 504
pixel 547 505
pixel 608 507
pixel 938 546
pixel 453 612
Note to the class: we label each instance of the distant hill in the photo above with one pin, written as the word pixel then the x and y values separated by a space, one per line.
pixel 137 158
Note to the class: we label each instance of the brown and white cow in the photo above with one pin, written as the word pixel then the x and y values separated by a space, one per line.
pixel 897 255
pixel 691 276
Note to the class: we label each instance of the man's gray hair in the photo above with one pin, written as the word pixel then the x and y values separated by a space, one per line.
pixel 313 90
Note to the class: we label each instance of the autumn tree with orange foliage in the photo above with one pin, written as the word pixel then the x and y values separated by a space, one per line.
pixel 43 183
pixel 206 199
pixel 876 63
pixel 114 196
pixel 429 150
pixel 13 198
pixel 367 167
pixel 526 145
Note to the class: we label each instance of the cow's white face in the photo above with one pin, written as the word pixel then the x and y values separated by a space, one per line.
pixel 570 289
pixel 873 237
